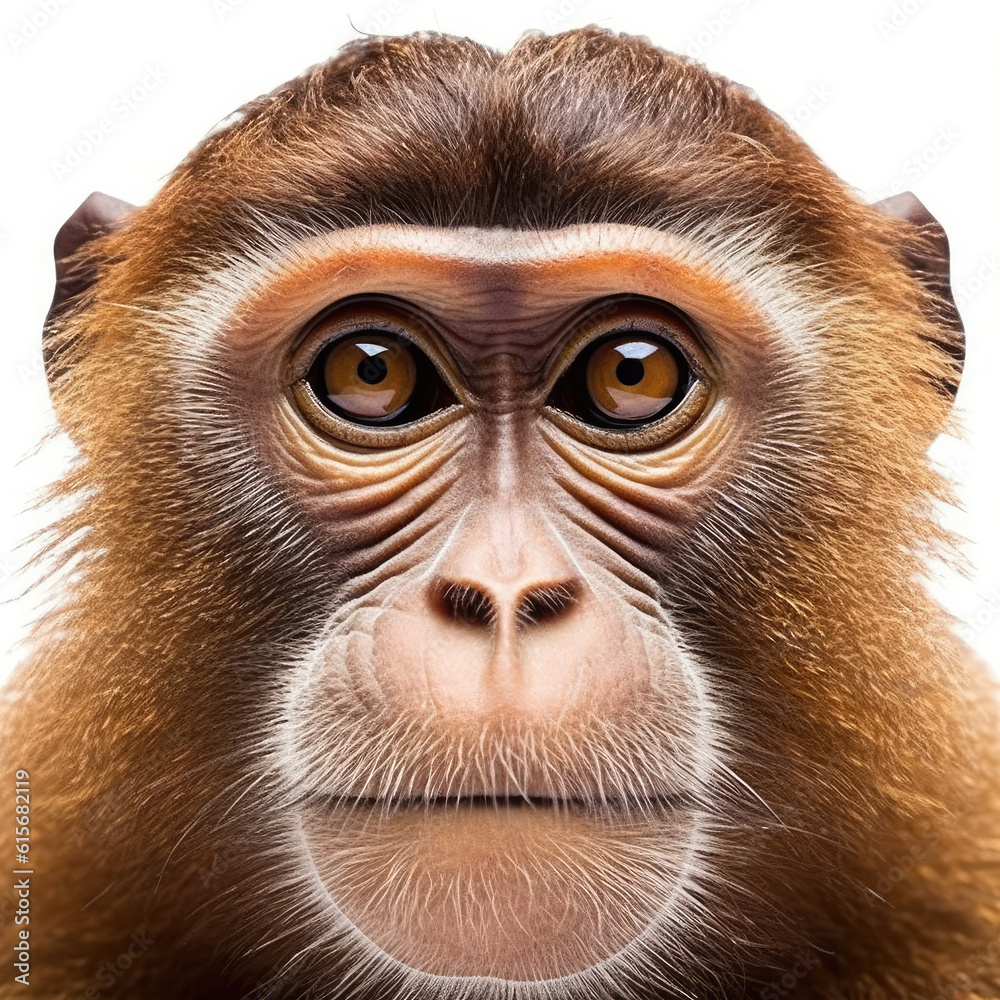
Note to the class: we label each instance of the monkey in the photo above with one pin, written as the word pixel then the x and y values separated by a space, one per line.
pixel 493 561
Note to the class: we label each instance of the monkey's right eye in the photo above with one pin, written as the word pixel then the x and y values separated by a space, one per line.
pixel 365 377
pixel 365 383
pixel 376 378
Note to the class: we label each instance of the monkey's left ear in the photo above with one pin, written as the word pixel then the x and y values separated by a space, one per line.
pixel 99 215
pixel 930 262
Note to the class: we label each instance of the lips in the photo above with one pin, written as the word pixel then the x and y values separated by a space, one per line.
pixel 617 804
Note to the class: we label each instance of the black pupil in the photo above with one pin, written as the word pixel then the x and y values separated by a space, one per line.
pixel 373 370
pixel 630 371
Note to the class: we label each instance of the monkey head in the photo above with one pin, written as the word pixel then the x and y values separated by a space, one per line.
pixel 501 501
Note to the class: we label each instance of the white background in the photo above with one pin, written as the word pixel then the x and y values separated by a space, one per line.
pixel 892 94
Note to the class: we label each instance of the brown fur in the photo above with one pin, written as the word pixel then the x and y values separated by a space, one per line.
pixel 857 717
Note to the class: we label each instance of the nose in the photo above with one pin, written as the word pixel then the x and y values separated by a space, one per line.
pixel 507 622
pixel 503 610
pixel 499 608
pixel 499 639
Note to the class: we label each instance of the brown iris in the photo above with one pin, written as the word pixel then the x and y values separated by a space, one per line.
pixel 369 376
pixel 632 377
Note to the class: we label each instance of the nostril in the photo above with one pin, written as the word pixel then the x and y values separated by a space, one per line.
pixel 467 604
pixel 474 606
pixel 543 603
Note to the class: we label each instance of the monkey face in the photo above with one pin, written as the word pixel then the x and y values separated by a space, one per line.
pixel 497 743
pixel 473 709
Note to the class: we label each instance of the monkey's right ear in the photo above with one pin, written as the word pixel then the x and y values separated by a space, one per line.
pixel 929 260
pixel 99 215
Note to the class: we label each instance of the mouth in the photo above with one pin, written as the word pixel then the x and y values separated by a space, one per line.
pixel 605 804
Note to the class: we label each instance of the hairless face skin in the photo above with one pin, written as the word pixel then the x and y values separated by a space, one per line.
pixel 519 612
pixel 495 566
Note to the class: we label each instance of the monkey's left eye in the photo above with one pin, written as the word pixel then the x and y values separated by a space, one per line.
pixel 624 380
pixel 633 378
pixel 639 376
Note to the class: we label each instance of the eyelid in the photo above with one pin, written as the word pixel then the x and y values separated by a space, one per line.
pixel 368 436
pixel 430 343
pixel 644 436
pixel 674 327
